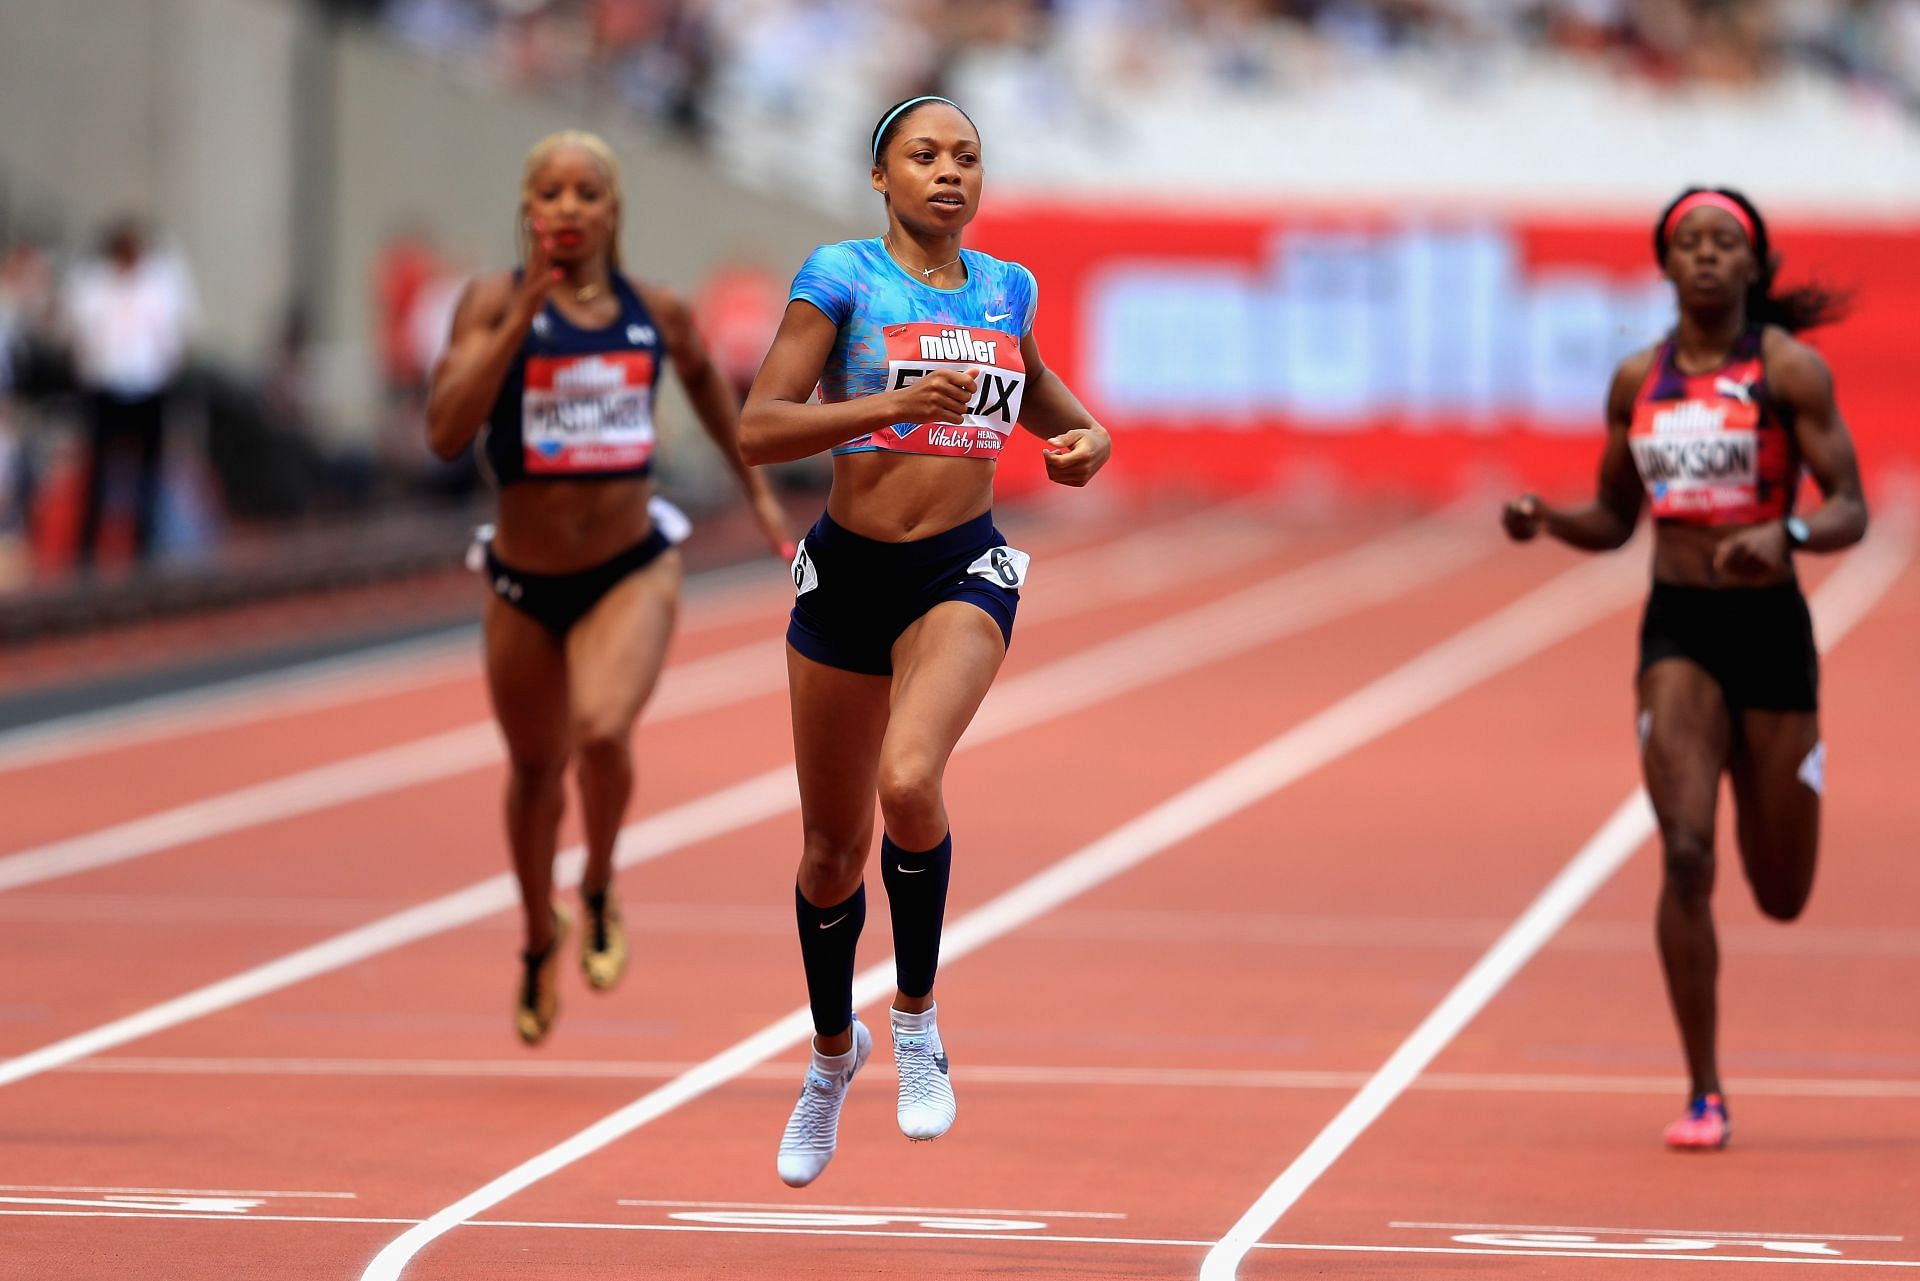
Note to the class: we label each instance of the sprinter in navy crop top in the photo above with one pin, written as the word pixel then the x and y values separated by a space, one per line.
pixel 553 368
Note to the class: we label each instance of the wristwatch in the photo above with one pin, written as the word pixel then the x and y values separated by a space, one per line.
pixel 1797 532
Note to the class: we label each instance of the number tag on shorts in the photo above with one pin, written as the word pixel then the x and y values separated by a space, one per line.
pixel 1813 769
pixel 673 524
pixel 1006 566
pixel 805 576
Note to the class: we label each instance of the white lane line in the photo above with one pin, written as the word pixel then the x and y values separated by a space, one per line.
pixel 195 907
pixel 1756 1087
pixel 662 917
pixel 1644 1232
pixel 1282 606
pixel 727 810
pixel 194 1217
pixel 1170 1077
pixel 186 1192
pixel 689 688
pixel 955 1235
pixel 166 1204
pixel 895 1234
pixel 369 674
pixel 1623 833
pixel 1842 601
pixel 364 675
pixel 1509 635
pixel 1162 926
pixel 1181 552
pixel 479 1069
pixel 1237 624
pixel 952 1235
pixel 713 600
pixel 408 765
pixel 809 1207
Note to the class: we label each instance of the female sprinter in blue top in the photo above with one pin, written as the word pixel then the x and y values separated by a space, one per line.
pixel 553 367
pixel 1713 427
pixel 925 359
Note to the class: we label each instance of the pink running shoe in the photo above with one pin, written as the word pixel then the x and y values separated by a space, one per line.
pixel 1704 1128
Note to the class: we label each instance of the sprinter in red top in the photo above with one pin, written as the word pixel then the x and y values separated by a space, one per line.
pixel 1712 448
pixel 1714 427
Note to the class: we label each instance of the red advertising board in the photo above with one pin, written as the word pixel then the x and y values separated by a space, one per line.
pixel 1367 351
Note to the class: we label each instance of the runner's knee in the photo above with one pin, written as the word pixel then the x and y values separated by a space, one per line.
pixel 536 774
pixel 602 742
pixel 833 860
pixel 1688 866
pixel 909 791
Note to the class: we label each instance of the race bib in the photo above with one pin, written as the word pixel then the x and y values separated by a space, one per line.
pixel 1000 380
pixel 585 414
pixel 1006 566
pixel 1698 457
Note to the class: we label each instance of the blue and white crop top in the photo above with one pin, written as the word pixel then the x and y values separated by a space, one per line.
pixel 895 329
pixel 577 404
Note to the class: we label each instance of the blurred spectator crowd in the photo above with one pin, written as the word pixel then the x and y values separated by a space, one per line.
pixel 121 442
pixel 685 62
pixel 101 350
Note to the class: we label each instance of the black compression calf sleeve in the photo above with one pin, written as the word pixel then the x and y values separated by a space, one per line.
pixel 917 899
pixel 827 938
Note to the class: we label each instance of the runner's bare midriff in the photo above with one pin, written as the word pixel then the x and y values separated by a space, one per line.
pixel 559 527
pixel 1683 555
pixel 896 498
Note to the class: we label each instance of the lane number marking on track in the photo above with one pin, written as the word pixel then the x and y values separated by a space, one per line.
pixel 1548 1241
pixel 176 1204
pixel 158 1201
pixel 1548 1238
pixel 214 1192
pixel 1716 1234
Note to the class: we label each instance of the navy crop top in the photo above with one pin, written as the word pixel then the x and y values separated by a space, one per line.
pixel 577 404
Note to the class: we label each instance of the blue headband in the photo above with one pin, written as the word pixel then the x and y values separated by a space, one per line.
pixel 908 105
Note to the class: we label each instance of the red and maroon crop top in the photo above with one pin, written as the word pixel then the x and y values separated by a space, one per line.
pixel 1713 448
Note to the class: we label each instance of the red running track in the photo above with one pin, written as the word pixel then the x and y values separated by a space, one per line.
pixel 1142 1044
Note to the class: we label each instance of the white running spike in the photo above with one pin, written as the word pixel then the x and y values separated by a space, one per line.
pixel 926 1107
pixel 813 1131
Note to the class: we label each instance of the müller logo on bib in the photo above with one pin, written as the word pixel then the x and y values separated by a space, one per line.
pixel 1000 378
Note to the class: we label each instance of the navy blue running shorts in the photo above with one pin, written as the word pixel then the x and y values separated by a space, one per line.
pixel 855 595
pixel 561 600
